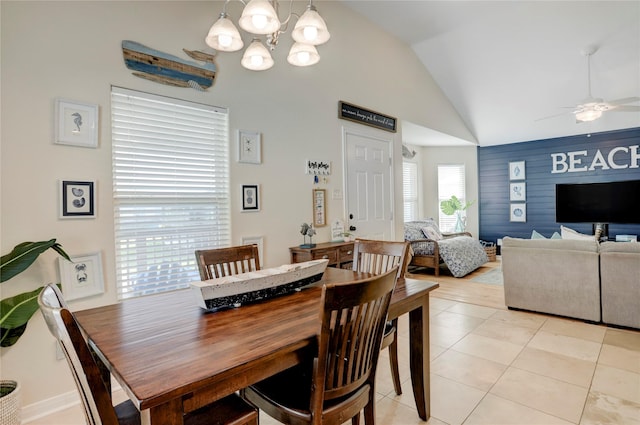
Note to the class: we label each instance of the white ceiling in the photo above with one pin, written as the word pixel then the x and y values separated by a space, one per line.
pixel 506 64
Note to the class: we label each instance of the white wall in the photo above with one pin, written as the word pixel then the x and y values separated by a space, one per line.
pixel 73 50
pixel 431 157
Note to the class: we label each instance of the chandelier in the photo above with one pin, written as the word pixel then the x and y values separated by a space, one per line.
pixel 260 17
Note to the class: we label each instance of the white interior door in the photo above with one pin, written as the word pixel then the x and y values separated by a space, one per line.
pixel 368 183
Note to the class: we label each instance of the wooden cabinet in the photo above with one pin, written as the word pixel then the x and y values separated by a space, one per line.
pixel 339 254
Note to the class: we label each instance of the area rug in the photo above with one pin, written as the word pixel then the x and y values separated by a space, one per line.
pixel 492 277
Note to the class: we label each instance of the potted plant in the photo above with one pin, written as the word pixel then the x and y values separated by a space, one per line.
pixel 452 206
pixel 347 236
pixel 15 312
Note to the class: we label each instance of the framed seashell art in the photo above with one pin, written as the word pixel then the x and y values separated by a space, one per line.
pixel 77 199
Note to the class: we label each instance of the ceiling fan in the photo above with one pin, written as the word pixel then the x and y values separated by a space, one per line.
pixel 592 108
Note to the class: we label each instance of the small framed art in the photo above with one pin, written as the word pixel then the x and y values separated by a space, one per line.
pixel 249 147
pixel 518 213
pixel 516 170
pixel 77 199
pixel 76 123
pixel 250 197
pixel 82 276
pixel 255 240
pixel 518 191
pixel 319 207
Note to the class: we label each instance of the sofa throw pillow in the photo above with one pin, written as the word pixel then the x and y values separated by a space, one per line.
pixel 431 231
pixel 536 235
pixel 568 233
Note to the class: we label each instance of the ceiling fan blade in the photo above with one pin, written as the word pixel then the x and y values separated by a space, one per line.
pixel 553 116
pixel 625 108
pixel 624 101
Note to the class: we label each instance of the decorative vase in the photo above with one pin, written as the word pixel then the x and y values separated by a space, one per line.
pixel 459 222
pixel 9 403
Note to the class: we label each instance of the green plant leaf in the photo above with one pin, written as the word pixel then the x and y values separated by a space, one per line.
pixel 15 312
pixel 23 255
pixel 452 205
pixel 8 337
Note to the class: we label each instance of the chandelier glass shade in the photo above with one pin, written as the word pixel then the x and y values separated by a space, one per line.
pixel 257 57
pixel 260 17
pixel 303 54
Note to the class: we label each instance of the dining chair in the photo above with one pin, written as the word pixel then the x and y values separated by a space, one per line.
pixel 219 262
pixel 95 393
pixel 376 256
pixel 337 379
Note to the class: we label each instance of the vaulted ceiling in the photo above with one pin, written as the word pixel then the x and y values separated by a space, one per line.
pixel 507 65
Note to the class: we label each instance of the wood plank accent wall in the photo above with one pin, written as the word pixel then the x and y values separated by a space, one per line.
pixel 493 182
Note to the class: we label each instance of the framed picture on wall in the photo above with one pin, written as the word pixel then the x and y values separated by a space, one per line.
pixel 82 276
pixel 518 213
pixel 250 197
pixel 516 170
pixel 76 123
pixel 518 191
pixel 319 207
pixel 77 199
pixel 255 240
pixel 249 149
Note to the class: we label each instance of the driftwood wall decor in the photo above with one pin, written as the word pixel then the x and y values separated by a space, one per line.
pixel 167 69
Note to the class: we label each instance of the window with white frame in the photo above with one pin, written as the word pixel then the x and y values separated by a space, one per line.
pixel 410 190
pixel 451 181
pixel 170 189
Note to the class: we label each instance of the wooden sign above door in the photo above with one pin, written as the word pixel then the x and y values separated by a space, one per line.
pixel 350 112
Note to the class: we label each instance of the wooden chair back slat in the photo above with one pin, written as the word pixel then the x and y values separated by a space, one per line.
pixel 353 322
pixel 220 262
pixel 377 257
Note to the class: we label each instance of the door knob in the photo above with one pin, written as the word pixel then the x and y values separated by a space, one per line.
pixel 352 228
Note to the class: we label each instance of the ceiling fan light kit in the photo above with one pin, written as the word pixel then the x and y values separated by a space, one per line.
pixel 592 108
pixel 260 17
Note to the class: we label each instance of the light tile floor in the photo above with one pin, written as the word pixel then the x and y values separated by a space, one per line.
pixel 492 367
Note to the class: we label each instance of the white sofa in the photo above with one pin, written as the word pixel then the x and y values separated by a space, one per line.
pixel 555 276
pixel 620 283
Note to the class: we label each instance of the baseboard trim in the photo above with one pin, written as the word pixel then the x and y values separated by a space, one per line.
pixel 49 406
pixel 55 404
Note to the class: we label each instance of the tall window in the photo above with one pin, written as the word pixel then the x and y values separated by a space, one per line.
pixel 410 190
pixel 170 189
pixel 451 181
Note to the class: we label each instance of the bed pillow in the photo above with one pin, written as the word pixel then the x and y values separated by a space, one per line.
pixel 556 235
pixel 568 233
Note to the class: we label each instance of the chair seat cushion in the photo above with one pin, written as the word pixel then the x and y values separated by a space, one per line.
pixel 290 390
pixel 127 413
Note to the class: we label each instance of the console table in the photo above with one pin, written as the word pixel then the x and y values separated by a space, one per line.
pixel 339 254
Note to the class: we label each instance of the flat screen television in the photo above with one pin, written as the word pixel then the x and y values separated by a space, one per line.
pixel 611 202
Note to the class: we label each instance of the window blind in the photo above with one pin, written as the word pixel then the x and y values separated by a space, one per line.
pixel 170 188
pixel 410 190
pixel 451 181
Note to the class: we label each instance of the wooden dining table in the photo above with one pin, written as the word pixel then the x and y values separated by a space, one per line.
pixel 172 357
